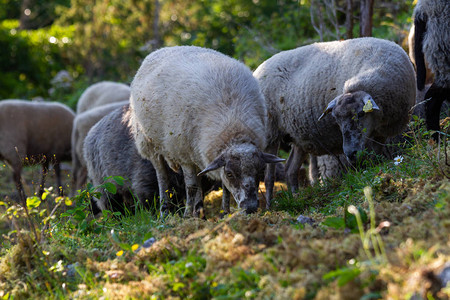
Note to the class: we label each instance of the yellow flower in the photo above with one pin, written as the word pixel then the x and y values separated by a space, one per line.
pixel 119 253
pixel 134 247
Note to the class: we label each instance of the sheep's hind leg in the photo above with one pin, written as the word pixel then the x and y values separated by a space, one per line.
pixel 293 164
pixel 163 183
pixel 435 96
pixel 194 194
pixel 18 181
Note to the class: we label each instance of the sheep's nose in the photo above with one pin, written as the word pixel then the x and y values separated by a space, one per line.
pixel 251 209
pixel 352 156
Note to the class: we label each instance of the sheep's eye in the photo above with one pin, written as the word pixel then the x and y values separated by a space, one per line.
pixel 361 114
pixel 229 174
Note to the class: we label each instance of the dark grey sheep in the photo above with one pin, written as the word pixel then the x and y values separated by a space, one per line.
pixel 109 150
pixel 81 125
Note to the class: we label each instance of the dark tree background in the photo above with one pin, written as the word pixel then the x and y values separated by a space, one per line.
pixel 98 40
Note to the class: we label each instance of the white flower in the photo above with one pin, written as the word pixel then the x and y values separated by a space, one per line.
pixel 189 264
pixel 398 160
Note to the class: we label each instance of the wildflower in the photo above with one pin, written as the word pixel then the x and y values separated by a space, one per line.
pixel 134 247
pixel 189 264
pixel 119 253
pixel 352 209
pixel 398 160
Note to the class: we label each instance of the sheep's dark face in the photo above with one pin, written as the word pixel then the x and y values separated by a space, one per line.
pixel 243 168
pixel 356 114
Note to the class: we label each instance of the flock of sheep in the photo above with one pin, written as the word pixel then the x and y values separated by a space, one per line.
pixel 194 116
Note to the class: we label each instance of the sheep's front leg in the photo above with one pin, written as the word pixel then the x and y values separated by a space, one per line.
pixel 313 169
pixel 269 178
pixel 163 184
pixel 194 195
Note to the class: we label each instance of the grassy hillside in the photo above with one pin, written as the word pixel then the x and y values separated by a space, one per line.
pixel 380 231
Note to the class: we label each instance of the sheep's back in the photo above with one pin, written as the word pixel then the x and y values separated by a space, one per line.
pixel 102 93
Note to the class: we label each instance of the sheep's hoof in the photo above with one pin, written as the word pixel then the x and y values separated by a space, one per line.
pixel 199 213
pixel 223 213
pixel 188 212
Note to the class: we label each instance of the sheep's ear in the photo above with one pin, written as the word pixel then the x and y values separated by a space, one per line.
pixel 369 104
pixel 271 159
pixel 214 165
pixel 329 108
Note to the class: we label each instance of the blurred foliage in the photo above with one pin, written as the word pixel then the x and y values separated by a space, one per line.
pixel 108 39
pixel 30 58
pixel 108 35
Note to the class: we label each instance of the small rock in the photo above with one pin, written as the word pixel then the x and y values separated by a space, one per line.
pixel 305 220
pixel 444 276
pixel 148 243
pixel 71 269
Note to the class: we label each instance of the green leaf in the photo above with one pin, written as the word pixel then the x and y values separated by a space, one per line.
pixel 334 222
pixel 375 295
pixel 110 187
pixel 118 179
pixel 177 286
pixel 343 275
pixel 148 235
pixel 125 246
pixel 33 202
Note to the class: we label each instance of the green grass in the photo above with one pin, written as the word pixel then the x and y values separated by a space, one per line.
pixel 268 255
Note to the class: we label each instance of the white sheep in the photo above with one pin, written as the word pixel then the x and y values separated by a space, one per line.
pixel 109 150
pixel 367 84
pixel 432 44
pixel 102 93
pixel 81 125
pixel 34 133
pixel 200 110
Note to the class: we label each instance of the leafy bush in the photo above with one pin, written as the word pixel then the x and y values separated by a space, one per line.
pixel 30 58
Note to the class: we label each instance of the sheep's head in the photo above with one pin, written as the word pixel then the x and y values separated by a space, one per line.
pixel 357 115
pixel 243 166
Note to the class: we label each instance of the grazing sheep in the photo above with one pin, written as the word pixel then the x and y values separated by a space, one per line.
pixel 432 44
pixel 200 110
pixel 81 125
pixel 109 150
pixel 102 93
pixel 34 133
pixel 367 85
